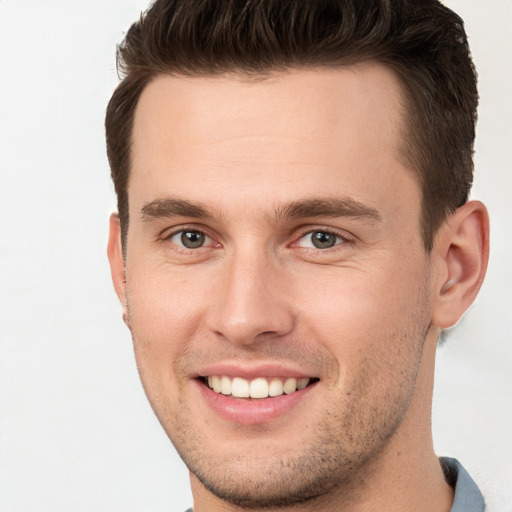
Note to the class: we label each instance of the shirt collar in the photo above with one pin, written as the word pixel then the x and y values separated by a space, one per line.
pixel 468 497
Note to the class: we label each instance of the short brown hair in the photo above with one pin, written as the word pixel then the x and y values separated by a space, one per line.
pixel 423 41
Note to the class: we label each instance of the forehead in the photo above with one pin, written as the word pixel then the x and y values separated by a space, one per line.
pixel 312 100
pixel 293 129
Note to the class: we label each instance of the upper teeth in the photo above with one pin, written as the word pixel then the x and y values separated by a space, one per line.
pixel 256 388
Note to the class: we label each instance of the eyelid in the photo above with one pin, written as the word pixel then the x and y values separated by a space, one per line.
pixel 308 230
pixel 167 234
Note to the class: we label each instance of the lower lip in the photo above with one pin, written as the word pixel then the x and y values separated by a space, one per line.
pixel 244 411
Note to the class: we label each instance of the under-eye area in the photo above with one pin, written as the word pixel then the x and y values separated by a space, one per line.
pixel 260 387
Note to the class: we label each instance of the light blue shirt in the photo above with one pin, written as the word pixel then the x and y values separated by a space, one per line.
pixel 468 497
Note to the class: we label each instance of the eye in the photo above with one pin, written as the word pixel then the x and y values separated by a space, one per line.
pixel 320 240
pixel 190 239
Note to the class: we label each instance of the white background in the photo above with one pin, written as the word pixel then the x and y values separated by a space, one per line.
pixel 76 432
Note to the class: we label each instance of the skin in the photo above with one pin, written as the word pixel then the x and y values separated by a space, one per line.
pixel 362 316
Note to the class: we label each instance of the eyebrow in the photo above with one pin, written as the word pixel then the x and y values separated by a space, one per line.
pixel 172 207
pixel 330 207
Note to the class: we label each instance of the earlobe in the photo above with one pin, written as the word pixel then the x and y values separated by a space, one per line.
pixel 117 267
pixel 461 252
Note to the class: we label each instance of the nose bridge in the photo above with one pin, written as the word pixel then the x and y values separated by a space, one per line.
pixel 251 302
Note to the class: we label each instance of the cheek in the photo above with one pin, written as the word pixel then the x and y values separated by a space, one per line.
pixel 164 302
pixel 164 316
pixel 374 329
pixel 355 312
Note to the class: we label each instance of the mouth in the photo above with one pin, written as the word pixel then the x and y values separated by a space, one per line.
pixel 257 388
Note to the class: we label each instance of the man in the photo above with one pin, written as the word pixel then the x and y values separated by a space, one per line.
pixel 294 233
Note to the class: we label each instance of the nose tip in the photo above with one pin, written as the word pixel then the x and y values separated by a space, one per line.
pixel 251 305
pixel 246 331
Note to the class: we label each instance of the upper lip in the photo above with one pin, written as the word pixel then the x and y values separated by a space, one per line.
pixel 252 371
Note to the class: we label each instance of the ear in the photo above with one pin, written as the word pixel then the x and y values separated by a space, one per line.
pixel 461 253
pixel 117 267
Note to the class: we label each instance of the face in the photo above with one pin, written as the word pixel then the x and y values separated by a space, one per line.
pixel 277 288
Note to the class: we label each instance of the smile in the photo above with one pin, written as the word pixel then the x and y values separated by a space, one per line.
pixel 252 396
pixel 260 387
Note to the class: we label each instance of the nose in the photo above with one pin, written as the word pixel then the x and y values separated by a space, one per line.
pixel 251 303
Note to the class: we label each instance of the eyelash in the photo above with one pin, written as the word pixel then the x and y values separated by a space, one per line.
pixel 167 237
pixel 341 239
